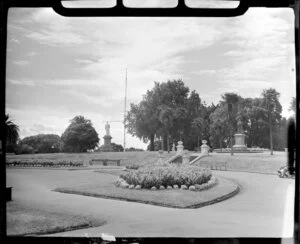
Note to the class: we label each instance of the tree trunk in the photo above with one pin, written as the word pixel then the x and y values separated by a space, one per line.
pixel 231 144
pixel 271 136
pixel 168 146
pixel 152 142
pixel 164 143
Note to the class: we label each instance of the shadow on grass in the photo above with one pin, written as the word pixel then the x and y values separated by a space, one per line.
pixel 23 221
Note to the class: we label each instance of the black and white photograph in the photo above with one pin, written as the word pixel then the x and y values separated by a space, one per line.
pixel 150 126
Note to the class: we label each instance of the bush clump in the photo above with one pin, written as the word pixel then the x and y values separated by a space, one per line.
pixel 171 175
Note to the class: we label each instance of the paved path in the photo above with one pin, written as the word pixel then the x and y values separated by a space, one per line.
pixel 263 208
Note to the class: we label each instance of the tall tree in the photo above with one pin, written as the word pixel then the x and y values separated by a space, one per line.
pixel 273 107
pixel 11 129
pixel 141 122
pixel 80 135
pixel 231 100
pixel 219 127
pixel 161 113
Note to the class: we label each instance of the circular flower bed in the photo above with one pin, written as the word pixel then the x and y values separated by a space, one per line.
pixel 183 177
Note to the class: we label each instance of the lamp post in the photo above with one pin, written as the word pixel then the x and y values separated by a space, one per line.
pixel 249 124
pixel 230 126
pixel 169 137
pixel 270 124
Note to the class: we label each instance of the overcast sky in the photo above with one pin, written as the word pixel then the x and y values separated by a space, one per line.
pixel 59 67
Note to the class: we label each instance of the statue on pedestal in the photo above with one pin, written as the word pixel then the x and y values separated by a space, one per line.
pixel 240 127
pixel 107 128
pixel 107 147
pixel 239 138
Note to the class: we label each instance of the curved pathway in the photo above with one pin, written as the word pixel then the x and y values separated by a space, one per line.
pixel 263 207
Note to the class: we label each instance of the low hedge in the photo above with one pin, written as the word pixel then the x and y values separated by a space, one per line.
pixel 36 163
pixel 157 176
pixel 132 166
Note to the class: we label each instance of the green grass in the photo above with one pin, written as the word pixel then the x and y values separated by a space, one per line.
pixel 128 158
pixel 23 220
pixel 167 198
pixel 251 162
pixel 254 162
pixel 111 171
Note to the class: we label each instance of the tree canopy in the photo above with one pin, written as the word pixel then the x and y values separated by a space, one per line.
pixel 170 112
pixel 80 135
pixel 42 143
pixel 167 111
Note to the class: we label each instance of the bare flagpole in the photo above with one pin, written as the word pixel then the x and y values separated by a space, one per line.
pixel 125 103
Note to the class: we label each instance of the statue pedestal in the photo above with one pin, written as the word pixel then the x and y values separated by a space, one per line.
pixel 180 148
pixel 204 148
pixel 107 147
pixel 239 142
pixel 185 157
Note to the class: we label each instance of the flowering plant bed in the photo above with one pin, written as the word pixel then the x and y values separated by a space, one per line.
pixel 42 163
pixel 197 187
pixel 163 176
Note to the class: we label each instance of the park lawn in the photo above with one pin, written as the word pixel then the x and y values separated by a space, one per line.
pixel 246 162
pixel 110 171
pixel 127 158
pixel 23 220
pixel 167 198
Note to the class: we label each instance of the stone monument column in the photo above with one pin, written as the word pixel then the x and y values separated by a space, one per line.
pixel 107 147
pixel 239 138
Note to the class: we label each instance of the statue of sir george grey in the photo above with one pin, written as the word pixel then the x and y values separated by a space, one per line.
pixel 107 127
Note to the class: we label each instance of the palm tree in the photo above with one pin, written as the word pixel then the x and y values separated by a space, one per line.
pixel 12 130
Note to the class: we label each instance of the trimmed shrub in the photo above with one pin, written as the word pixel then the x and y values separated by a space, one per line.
pixel 169 187
pixel 124 185
pixel 183 187
pixel 192 188
pixel 212 182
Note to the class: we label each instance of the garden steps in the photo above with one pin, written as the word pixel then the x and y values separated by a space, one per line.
pixel 195 157
pixel 171 159
pixel 198 157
